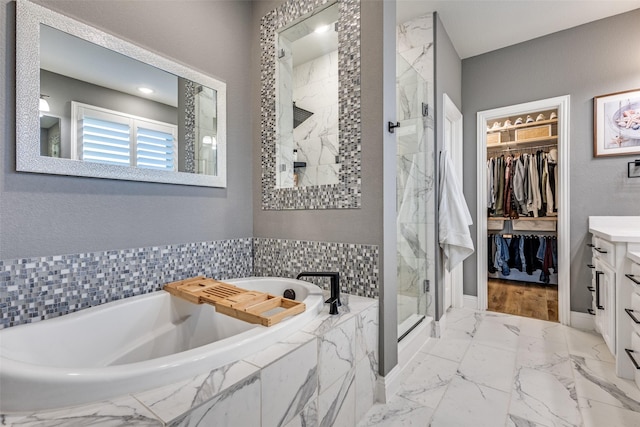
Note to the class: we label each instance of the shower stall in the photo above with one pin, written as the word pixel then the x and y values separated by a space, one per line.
pixel 416 182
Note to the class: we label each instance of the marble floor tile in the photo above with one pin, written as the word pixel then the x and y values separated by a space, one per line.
pixel 516 421
pixel 544 398
pixel 549 331
pixel 498 334
pixel 464 320
pixel 399 412
pixel 466 403
pixel 596 380
pixel 450 348
pixel 588 344
pixel 488 366
pixel 426 379
pixel 506 319
pixel 558 376
pixel 598 414
pixel 544 355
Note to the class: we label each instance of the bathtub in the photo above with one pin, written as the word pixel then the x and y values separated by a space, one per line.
pixel 132 345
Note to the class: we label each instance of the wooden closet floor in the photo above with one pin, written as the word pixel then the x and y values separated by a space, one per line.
pixel 523 299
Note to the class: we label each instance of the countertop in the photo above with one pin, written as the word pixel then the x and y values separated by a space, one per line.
pixel 616 228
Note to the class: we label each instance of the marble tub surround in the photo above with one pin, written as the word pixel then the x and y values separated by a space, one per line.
pixel 298 381
pixel 548 375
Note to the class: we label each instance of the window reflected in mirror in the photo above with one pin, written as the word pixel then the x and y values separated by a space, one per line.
pixel 105 107
pixel 307 139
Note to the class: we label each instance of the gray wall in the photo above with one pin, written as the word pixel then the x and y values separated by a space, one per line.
pixel 448 79
pixel 583 62
pixel 47 215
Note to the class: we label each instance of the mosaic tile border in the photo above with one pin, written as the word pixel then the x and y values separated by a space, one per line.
pixel 346 194
pixel 35 289
pixel 357 264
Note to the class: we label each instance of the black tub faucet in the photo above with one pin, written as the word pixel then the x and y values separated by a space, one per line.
pixel 334 300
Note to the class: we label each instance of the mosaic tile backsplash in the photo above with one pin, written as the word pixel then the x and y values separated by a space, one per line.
pixel 40 288
pixel 356 263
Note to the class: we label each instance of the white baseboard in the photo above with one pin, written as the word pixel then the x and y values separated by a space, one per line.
pixel 583 321
pixel 387 386
pixel 470 301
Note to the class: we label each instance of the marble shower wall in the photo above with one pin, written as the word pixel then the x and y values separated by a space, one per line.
pixel 284 115
pixel 415 180
pixel 315 89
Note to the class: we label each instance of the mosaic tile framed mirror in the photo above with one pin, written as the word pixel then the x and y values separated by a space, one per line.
pixel 310 111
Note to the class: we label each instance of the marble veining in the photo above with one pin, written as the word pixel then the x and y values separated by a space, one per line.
pixel 614 390
pixel 556 376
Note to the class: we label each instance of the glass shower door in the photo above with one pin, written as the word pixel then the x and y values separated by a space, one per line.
pixel 415 207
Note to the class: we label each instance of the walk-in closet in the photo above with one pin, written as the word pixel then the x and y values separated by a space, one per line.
pixel 522 214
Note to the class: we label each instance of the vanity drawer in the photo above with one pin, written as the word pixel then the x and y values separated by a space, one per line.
pixel 635 355
pixel 634 276
pixel 604 250
pixel 634 313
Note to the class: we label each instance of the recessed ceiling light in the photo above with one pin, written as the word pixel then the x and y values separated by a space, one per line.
pixel 145 90
pixel 322 29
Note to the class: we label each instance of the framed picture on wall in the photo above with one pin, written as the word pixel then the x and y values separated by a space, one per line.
pixel 616 124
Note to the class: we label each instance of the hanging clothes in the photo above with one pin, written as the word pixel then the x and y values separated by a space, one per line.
pixel 533 255
pixel 523 185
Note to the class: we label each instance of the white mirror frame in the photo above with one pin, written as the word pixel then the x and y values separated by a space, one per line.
pixel 28 157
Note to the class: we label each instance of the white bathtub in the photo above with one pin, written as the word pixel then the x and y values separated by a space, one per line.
pixel 132 345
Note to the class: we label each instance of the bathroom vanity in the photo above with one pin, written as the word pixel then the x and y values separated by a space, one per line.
pixel 615 288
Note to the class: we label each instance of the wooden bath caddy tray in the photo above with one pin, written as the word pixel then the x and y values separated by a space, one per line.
pixel 243 304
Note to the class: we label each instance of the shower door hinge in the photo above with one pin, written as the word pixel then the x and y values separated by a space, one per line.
pixel 426 286
pixel 425 110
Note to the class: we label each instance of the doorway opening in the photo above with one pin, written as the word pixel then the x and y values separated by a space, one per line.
pixel 523 202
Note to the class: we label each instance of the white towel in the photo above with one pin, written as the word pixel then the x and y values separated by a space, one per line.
pixel 454 218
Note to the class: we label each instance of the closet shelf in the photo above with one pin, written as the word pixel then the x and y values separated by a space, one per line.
pixel 524 125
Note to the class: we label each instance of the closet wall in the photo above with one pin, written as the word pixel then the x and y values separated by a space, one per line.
pixel 522 202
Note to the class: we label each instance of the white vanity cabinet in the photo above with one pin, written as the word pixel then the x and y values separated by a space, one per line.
pixel 614 238
pixel 603 291
pixel 632 276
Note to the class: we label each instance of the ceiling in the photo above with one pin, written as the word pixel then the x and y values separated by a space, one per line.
pixel 479 26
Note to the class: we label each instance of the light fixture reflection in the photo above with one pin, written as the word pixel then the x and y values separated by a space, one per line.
pixel 322 29
pixel 44 104
pixel 210 140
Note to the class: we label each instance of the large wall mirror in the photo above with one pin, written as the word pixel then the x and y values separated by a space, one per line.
pixel 90 104
pixel 311 105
